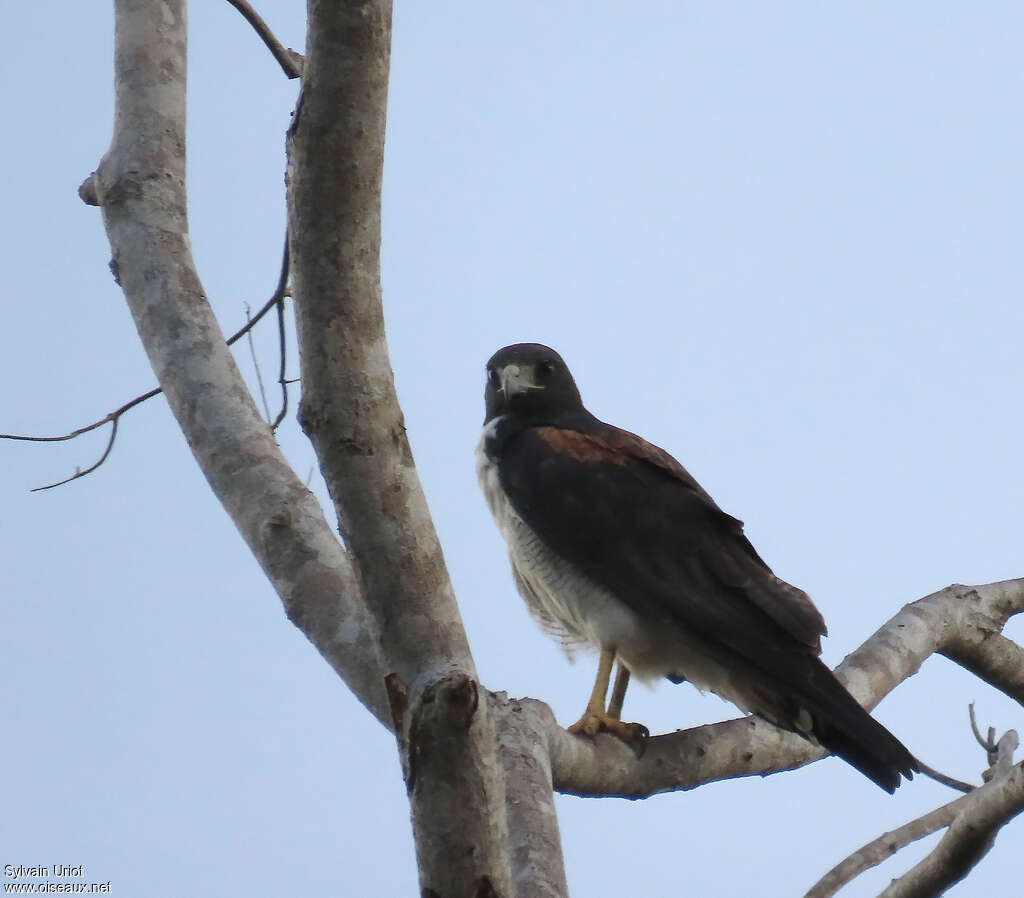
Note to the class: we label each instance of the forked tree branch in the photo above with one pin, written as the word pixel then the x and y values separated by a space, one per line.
pixel 971 833
pixel 963 813
pixel 884 847
pixel 82 472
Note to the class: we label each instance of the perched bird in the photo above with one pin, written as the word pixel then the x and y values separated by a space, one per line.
pixel 614 545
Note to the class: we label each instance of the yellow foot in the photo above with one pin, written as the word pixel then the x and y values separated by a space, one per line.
pixel 591 723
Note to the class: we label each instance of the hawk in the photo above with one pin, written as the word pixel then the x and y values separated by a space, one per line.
pixel 614 545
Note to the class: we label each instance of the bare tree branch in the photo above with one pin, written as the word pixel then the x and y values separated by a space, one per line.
pixel 999 756
pixel 884 847
pixel 535 846
pixel 288 59
pixel 112 416
pixel 986 744
pixel 454 776
pixel 749 746
pixel 350 411
pixel 83 471
pixel 140 186
pixel 280 293
pixel 277 299
pixel 349 407
pixel 941 777
pixel 980 815
pixel 991 656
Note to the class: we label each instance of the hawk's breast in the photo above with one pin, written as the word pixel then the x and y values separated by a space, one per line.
pixel 567 604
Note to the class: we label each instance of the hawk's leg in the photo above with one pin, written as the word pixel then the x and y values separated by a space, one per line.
pixel 595 719
pixel 618 692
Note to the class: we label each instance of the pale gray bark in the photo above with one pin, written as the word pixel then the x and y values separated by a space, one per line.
pixel 973 820
pixel 140 185
pixel 992 657
pixel 349 407
pixel 883 848
pixel 971 833
pixel 350 412
pixel 456 789
pixel 535 846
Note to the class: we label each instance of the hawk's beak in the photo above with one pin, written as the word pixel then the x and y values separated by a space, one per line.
pixel 516 379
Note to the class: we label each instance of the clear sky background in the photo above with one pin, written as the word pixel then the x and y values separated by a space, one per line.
pixel 783 241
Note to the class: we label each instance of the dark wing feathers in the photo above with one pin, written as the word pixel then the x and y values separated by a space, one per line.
pixel 635 521
pixel 628 512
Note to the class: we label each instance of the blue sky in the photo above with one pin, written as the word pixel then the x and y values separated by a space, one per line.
pixel 782 242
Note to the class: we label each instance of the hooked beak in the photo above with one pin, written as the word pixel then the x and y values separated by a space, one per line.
pixel 516 379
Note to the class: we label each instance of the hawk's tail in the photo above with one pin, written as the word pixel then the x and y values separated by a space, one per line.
pixel 842 726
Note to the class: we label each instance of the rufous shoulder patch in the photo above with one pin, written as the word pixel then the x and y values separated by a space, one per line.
pixel 613 445
pixel 581 447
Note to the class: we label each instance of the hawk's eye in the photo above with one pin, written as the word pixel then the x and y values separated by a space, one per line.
pixel 548 367
pixel 493 378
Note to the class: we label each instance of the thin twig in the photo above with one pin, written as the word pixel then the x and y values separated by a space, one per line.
pixel 939 777
pixel 288 59
pixel 282 290
pixel 974 728
pixel 266 307
pixel 106 419
pixel 113 417
pixel 280 377
pixel 91 468
pixel 256 365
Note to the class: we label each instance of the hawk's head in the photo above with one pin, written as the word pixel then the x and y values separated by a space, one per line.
pixel 531 380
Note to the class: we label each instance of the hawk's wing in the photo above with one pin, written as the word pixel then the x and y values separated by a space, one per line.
pixel 634 520
pixel 631 518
